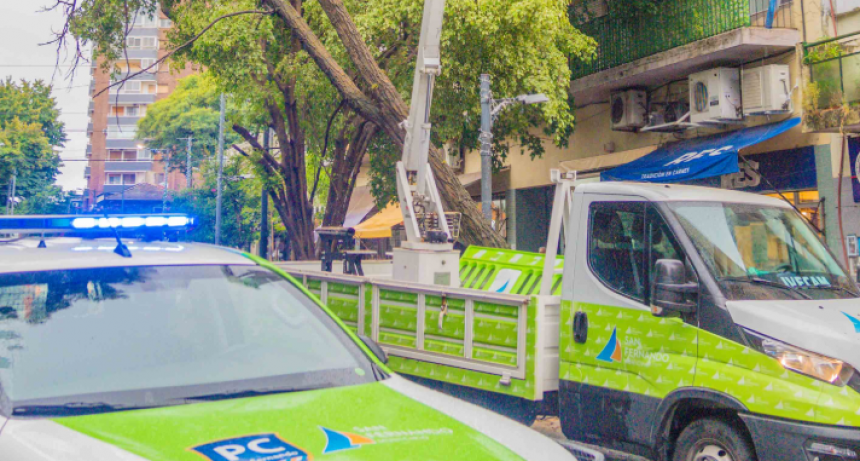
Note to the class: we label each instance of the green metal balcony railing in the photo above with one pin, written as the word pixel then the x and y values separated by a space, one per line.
pixel 676 23
pixel 832 96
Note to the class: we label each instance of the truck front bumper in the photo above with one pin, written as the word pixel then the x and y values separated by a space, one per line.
pixel 782 440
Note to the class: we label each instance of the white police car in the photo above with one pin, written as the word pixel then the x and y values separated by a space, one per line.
pixel 145 350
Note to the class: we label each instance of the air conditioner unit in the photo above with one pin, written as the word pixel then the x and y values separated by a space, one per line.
pixel 629 110
pixel 715 96
pixel 767 90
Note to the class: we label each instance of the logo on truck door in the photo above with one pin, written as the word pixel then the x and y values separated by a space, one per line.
pixel 855 321
pixel 611 352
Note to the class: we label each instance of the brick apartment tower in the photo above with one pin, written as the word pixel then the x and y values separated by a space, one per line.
pixel 120 164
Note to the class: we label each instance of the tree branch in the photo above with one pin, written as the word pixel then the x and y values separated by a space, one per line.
pixel 189 42
pixel 325 148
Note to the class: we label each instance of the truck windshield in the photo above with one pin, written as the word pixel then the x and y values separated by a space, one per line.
pixel 94 340
pixel 762 252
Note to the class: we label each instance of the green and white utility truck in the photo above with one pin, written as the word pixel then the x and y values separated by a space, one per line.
pixel 681 323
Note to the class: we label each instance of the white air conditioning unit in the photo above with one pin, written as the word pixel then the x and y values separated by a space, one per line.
pixel 629 110
pixel 715 96
pixel 767 90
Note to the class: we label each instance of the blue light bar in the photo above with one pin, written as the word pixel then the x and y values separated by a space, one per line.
pixel 36 224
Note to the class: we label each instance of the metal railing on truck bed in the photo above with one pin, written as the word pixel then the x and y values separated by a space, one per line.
pixel 499 342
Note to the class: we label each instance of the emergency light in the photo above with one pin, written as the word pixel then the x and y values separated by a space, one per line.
pixel 35 224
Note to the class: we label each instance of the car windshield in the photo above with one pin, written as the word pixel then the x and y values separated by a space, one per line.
pixel 130 337
pixel 762 252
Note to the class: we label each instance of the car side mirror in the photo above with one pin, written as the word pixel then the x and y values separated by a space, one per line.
pixel 375 348
pixel 670 293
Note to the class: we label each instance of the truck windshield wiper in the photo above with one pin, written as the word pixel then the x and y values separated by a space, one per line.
pixel 761 281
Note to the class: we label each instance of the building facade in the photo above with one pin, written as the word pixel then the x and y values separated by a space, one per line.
pixel 642 93
pixel 118 160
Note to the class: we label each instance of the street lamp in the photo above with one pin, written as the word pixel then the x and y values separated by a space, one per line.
pixel 490 110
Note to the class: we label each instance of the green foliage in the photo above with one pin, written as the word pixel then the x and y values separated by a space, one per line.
pixel 48 200
pixel 191 110
pixel 240 204
pixel 29 132
pixel 524 45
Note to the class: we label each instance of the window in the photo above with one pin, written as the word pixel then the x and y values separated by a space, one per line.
pixel 161 335
pixel 130 87
pixel 616 246
pixel 119 179
pixel 165 23
pixel 144 154
pixel 115 155
pixel 145 63
pixel 159 179
pixel 129 155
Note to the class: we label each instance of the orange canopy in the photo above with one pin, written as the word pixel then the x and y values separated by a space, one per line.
pixel 379 226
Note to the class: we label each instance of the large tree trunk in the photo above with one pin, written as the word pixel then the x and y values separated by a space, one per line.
pixel 385 108
pixel 348 155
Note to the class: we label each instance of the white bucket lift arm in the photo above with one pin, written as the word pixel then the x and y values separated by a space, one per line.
pixel 416 185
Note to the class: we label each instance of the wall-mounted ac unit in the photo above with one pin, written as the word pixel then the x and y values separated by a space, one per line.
pixel 629 110
pixel 715 96
pixel 767 90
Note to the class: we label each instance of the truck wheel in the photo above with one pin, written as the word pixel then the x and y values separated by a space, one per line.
pixel 712 440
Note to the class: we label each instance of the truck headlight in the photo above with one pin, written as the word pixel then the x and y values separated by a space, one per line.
pixel 801 361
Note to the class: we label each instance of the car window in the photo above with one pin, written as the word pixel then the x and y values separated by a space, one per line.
pixel 616 246
pixel 146 335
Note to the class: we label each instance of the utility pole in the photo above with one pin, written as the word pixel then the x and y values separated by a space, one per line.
pixel 220 170
pixel 188 169
pixel 486 138
pixel 10 207
pixel 490 109
pixel 166 184
pixel 264 208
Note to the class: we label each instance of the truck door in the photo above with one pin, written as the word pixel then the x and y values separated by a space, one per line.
pixel 613 378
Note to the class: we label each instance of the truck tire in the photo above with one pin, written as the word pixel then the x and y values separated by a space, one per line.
pixel 712 440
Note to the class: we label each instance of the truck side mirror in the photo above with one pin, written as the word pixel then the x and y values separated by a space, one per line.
pixel 669 289
pixel 375 348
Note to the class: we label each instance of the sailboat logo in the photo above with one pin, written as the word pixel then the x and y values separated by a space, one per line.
pixel 505 281
pixel 611 353
pixel 855 321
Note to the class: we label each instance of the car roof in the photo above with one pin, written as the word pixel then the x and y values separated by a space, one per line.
pixel 675 193
pixel 64 253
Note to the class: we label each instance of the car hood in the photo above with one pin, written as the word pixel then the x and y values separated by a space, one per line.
pixel 391 420
pixel 829 327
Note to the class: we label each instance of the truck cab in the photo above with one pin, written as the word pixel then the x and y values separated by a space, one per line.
pixel 704 324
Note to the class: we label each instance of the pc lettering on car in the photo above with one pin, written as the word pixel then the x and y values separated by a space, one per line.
pixel 259 447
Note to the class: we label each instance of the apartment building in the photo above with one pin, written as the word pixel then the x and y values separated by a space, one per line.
pixel 692 78
pixel 118 160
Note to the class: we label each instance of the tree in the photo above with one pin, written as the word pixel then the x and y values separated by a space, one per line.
pixel 29 132
pixel 339 50
pixel 240 213
pixel 190 110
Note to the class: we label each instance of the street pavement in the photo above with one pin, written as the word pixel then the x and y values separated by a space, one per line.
pixel 551 427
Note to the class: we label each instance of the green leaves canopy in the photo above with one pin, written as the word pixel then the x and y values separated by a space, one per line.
pixel 29 132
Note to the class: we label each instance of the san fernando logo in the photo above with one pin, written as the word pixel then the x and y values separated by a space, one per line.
pixel 611 352
pixel 855 321
pixel 339 441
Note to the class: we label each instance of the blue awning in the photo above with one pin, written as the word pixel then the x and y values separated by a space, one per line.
pixel 696 158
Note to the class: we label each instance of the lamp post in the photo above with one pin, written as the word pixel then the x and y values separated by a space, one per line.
pixel 490 109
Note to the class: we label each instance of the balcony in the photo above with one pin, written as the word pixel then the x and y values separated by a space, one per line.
pixel 123 120
pixel 831 99
pixel 115 188
pixel 142 77
pixel 86 172
pixel 141 53
pixel 132 98
pixel 123 166
pixel 127 144
pixel 89 150
pixel 683 37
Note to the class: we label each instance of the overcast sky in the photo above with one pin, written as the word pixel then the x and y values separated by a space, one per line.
pixel 22 29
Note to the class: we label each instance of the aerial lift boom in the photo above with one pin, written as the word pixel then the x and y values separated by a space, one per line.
pixel 427 253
